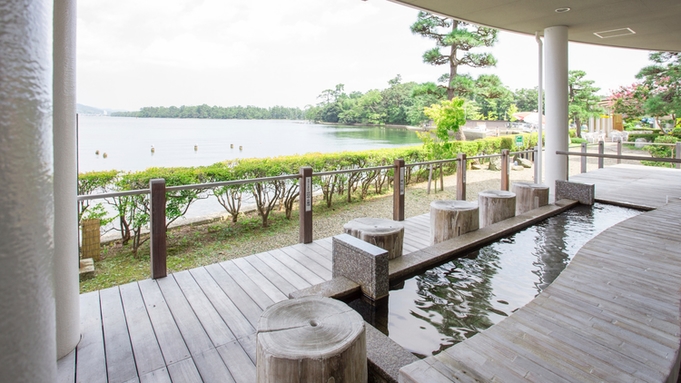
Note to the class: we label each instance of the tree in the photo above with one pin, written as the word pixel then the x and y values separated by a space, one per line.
pixel 492 96
pixel 448 116
pixel 582 98
pixel 663 79
pixel 526 99
pixel 459 37
pixel 629 100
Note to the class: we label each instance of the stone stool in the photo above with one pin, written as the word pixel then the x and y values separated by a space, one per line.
pixel 495 206
pixel 529 196
pixel 311 339
pixel 384 233
pixel 449 219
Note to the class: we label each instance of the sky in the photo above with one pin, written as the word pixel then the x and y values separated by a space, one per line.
pixel 264 53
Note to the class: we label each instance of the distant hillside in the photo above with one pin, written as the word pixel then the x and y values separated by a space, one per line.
pixel 92 111
pixel 89 110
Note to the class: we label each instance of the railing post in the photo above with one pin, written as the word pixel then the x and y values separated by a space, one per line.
pixel 582 158
pixel 678 154
pixel 461 177
pixel 157 228
pixel 536 167
pixel 398 191
pixel 601 150
pixel 305 207
pixel 504 169
pixel 619 150
pixel 442 179
pixel 430 177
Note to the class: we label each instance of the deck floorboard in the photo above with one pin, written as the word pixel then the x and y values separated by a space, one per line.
pixel 613 314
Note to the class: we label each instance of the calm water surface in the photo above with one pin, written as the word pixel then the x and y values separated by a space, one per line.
pixel 128 141
pixel 454 301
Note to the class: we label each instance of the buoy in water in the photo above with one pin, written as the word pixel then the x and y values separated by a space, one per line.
pixel 152 148
pixel 97 152
pixel 196 147
pixel 104 155
pixel 241 147
pixel 231 146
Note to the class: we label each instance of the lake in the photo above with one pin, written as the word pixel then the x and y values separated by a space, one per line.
pixel 127 141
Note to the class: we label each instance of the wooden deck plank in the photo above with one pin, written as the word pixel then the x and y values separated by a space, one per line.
pixel 120 361
pixel 157 376
pixel 148 356
pixel 212 368
pixel 93 367
pixel 250 287
pixel 66 368
pixel 243 301
pixel 294 279
pixel 312 265
pixel 184 371
pixel 314 246
pixel 235 319
pixel 216 328
pixel 277 280
pixel 272 291
pixel 239 364
pixel 310 253
pixel 168 334
pixel 248 344
pixel 308 275
pixel 190 327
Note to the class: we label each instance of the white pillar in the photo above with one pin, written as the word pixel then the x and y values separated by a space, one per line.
pixel 66 262
pixel 27 306
pixel 556 78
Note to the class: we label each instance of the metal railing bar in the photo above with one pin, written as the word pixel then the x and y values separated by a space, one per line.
pixel 614 156
pixel 212 185
pixel 126 193
pixel 356 170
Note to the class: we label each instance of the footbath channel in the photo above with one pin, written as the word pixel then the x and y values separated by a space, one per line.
pixel 433 310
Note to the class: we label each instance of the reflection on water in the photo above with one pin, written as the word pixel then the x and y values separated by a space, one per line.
pixel 456 300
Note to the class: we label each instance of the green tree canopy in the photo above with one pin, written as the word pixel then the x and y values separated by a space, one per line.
pixel 663 79
pixel 454 41
pixel 582 98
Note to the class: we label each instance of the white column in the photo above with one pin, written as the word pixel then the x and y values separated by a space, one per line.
pixel 27 306
pixel 66 262
pixel 556 79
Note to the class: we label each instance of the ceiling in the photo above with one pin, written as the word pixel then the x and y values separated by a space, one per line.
pixel 656 23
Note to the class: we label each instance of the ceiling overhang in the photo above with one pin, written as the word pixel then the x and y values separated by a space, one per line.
pixel 640 24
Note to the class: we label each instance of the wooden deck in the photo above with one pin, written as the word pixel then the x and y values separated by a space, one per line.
pixel 199 325
pixel 612 315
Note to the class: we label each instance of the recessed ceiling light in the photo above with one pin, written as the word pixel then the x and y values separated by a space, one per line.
pixel 615 33
pixel 563 10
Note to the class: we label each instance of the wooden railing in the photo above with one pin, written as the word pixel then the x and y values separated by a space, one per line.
pixel 619 157
pixel 157 190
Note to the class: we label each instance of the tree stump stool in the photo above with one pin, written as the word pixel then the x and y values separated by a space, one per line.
pixel 495 206
pixel 530 196
pixel 449 219
pixel 384 233
pixel 311 339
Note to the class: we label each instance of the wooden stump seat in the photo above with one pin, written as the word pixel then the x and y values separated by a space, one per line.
pixel 495 206
pixel 529 196
pixel 311 339
pixel 384 233
pixel 449 219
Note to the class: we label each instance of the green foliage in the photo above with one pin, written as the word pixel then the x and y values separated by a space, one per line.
pixel 577 140
pixel 217 112
pixel 457 38
pixel 661 151
pixel 650 137
pixel 582 99
pixel 676 132
pixel 90 183
pixel 663 79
